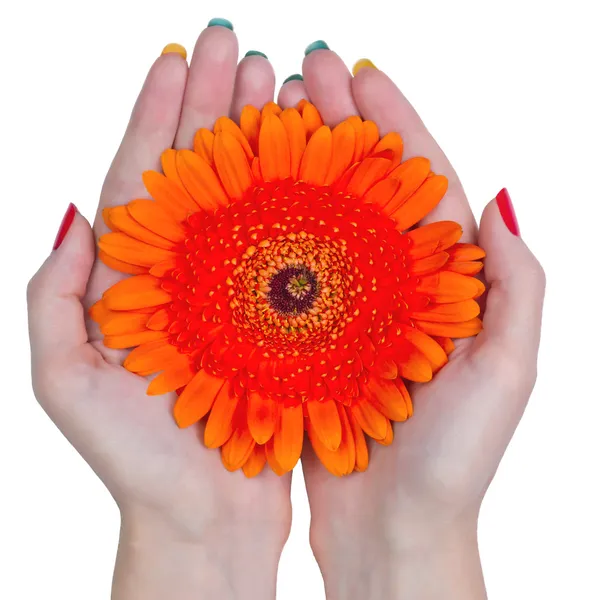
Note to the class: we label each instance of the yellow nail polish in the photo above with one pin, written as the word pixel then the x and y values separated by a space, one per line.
pixel 174 48
pixel 361 64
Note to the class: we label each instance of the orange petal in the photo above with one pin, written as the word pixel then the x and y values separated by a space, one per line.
pixel 237 450
pixel 382 192
pixel 343 139
pixel 294 126
pixel 359 141
pixel 154 217
pixel 312 119
pixel 433 238
pixel 139 291
pixel 387 397
pixel 197 398
pixel 200 181
pixel 371 137
pixel 413 365
pixel 203 145
pixel 339 462
pixel 465 268
pixel 163 267
pixel 169 195
pixel 159 320
pixel 389 436
pixel 421 203
pixel 151 357
pixel 371 421
pixel 411 174
pixel 317 157
pixel 386 368
pixel 232 165
pixel 435 353
pixel 250 126
pixel 99 312
pixel 219 426
pixel 274 149
pixel 256 462
pixel 231 127
pixel 129 340
pixel 465 252
pixel 446 343
pixel 449 313
pixel 429 264
pixel 122 322
pixel 122 221
pixel 262 417
pixel 127 249
pixel 288 438
pixel 172 378
pixel 360 443
pixel 325 420
pixel 390 142
pixel 270 108
pixel 453 330
pixel 272 459
pixel 119 265
pixel 446 287
pixel 368 173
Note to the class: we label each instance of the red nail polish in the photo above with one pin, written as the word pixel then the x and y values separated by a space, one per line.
pixel 65 226
pixel 507 210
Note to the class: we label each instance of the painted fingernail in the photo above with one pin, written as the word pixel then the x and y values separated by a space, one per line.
pixel 318 45
pixel 295 77
pixel 255 53
pixel 361 64
pixel 65 226
pixel 507 210
pixel 220 23
pixel 174 49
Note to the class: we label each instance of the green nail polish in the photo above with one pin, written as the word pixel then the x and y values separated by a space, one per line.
pixel 220 23
pixel 296 77
pixel 318 45
pixel 255 53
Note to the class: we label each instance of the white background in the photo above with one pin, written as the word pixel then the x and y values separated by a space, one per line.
pixel 510 91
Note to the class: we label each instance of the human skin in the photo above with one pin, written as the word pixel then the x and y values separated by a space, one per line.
pixel 189 528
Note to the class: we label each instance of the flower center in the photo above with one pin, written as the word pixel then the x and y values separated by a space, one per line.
pixel 293 290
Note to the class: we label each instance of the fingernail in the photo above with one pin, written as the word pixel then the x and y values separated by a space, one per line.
pixel 255 53
pixel 295 77
pixel 507 210
pixel 65 226
pixel 174 49
pixel 361 64
pixel 220 23
pixel 318 45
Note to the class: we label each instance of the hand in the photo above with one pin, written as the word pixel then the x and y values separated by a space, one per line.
pixel 187 523
pixel 406 528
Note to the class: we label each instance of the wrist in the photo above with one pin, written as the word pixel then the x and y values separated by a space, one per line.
pixel 438 560
pixel 225 560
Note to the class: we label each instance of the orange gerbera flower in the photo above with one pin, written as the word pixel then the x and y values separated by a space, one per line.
pixel 278 286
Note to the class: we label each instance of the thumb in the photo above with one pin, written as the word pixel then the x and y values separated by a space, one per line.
pixel 56 316
pixel 513 313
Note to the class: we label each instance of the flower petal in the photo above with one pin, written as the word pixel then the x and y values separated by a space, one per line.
pixel 325 421
pixel 446 287
pixel 421 203
pixel 368 173
pixel 388 397
pixel 232 165
pixel 130 340
pixel 288 438
pixel 154 217
pixel 432 238
pixel 343 139
pixel 236 451
pixel 371 421
pixel 119 265
pixel 200 181
pixel 449 313
pixel 434 353
pixel 135 292
pixel 197 398
pixel 262 417
pixel 294 126
pixel 392 143
pixel 256 462
pixel 127 249
pixel 429 264
pixel 121 221
pixel 203 145
pixel 219 426
pixel 360 443
pixel 317 157
pixel 274 149
pixel 175 376
pixel 151 357
pixel 453 330
pixel 411 174
pixel 231 127
pixel 250 126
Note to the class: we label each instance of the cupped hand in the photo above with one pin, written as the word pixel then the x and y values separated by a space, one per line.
pixel 166 483
pixel 420 497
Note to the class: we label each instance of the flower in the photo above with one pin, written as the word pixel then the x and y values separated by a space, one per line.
pixel 278 285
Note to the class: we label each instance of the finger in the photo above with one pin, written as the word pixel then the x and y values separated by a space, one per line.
pixel 379 100
pixel 209 90
pixel 56 317
pixel 512 320
pixel 151 129
pixel 254 84
pixel 292 91
pixel 329 84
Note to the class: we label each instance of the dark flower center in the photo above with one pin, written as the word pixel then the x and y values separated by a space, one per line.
pixel 293 290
